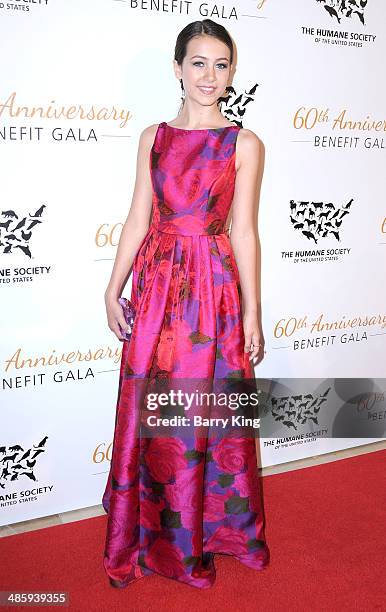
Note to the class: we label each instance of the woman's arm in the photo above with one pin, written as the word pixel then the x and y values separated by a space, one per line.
pixel 244 234
pixel 133 231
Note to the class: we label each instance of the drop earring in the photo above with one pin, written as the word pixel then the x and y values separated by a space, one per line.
pixel 183 90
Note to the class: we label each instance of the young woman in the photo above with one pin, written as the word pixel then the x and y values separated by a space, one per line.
pixel 175 500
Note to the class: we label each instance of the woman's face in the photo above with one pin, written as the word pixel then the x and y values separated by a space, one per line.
pixel 205 69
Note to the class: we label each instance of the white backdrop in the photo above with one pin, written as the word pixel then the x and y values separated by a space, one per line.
pixel 80 81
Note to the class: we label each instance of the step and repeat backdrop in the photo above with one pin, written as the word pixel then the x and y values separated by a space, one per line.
pixel 80 80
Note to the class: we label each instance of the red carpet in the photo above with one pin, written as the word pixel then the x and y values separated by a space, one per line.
pixel 326 532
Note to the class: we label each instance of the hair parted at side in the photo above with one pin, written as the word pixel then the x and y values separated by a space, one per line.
pixel 196 28
pixel 206 26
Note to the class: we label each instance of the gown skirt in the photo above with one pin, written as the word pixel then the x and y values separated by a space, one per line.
pixel 176 496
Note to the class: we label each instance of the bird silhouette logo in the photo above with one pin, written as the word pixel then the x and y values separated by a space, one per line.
pixel 15 462
pixel 318 220
pixel 15 234
pixel 352 9
pixel 295 410
pixel 234 104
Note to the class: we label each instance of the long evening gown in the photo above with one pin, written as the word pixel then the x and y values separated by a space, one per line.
pixel 175 501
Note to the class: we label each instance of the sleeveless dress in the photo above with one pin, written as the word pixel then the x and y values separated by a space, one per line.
pixel 173 502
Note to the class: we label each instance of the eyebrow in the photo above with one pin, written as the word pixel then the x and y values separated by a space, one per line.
pixel 203 57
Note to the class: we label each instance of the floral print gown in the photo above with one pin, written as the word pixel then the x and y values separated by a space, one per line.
pixel 174 501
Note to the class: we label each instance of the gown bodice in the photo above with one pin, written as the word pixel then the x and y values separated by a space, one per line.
pixel 193 177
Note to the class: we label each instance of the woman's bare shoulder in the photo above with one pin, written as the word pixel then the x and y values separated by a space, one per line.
pixel 148 133
pixel 249 140
pixel 249 149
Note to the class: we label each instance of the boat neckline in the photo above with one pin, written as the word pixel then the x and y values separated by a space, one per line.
pixel 224 127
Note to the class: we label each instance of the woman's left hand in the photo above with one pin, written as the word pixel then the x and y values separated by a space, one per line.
pixel 254 338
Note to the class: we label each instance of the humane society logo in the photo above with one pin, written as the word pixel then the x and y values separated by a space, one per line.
pixel 318 221
pixel 344 413
pixel 346 9
pixel 295 410
pixel 19 465
pixel 339 14
pixel 16 236
pixel 234 104
pixel 295 418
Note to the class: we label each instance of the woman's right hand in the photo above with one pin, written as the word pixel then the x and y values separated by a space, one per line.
pixel 115 317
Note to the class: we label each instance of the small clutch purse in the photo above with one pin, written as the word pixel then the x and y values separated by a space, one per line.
pixel 129 314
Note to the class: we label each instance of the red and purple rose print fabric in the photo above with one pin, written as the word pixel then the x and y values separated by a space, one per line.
pixel 176 500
